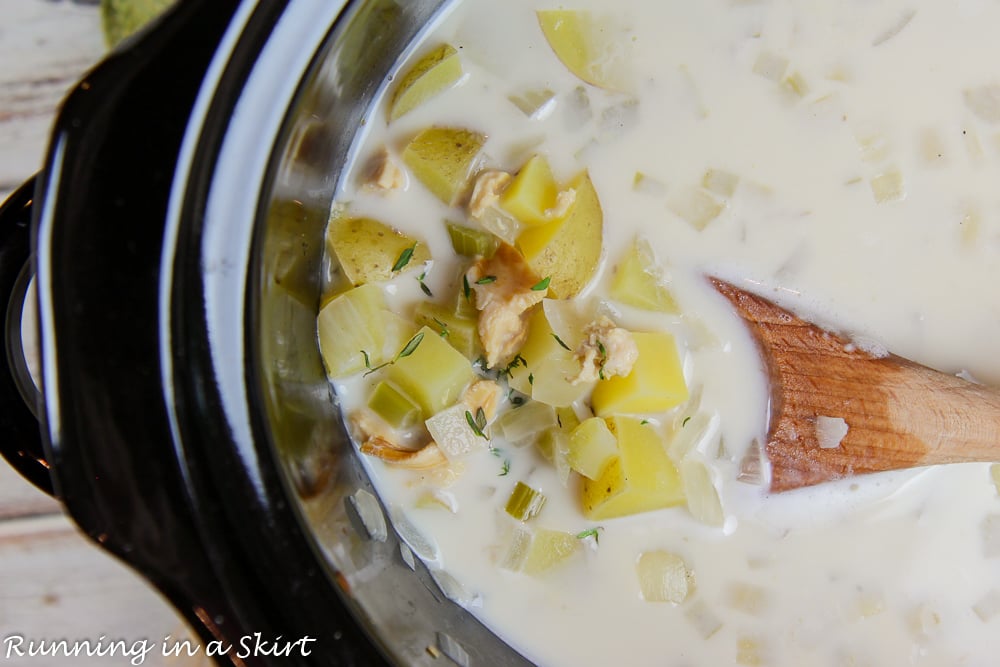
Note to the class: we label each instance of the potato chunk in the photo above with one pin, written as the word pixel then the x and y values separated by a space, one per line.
pixel 434 374
pixel 641 478
pixel 568 248
pixel 435 72
pixel 442 158
pixel 655 384
pixel 367 250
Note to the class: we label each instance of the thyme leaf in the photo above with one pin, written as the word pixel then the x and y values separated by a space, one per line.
pixel 475 427
pixel 542 284
pixel 404 258
pixel 486 280
pixel 591 532
pixel 411 346
pixel 560 341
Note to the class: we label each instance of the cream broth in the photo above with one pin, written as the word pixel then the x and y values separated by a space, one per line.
pixel 865 137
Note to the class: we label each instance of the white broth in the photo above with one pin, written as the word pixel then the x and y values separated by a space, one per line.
pixel 852 154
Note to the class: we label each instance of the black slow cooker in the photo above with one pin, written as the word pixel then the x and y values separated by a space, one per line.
pixel 184 419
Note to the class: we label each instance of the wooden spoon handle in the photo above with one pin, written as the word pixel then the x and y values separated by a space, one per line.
pixel 898 414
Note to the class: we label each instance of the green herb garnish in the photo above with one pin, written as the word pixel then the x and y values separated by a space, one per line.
pixel 444 327
pixel 541 284
pixel 591 532
pixel 685 422
pixel 486 280
pixel 411 346
pixel 474 426
pixel 407 350
pixel 404 258
pixel 466 290
pixel 504 469
pixel 560 341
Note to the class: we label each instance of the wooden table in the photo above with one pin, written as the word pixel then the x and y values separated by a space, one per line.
pixel 55 583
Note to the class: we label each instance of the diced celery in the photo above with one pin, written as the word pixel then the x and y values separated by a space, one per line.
pixel 442 158
pixel 452 432
pixel 368 250
pixel 641 478
pixel 532 193
pixel 663 577
pixel 349 324
pixel 393 406
pixel 472 242
pixel 433 375
pixel 525 502
pixel 460 332
pixel 549 549
pixel 591 447
pixel 527 422
pixel 656 382
pixel 549 366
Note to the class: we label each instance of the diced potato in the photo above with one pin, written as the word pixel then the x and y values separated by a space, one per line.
pixel 641 478
pixel 442 158
pixel 548 367
pixel 580 40
pixel 532 193
pixel 460 332
pixel 663 577
pixel 392 405
pixel 592 446
pixel 656 382
pixel 472 242
pixel 549 549
pixel 568 249
pixel 367 250
pixel 434 375
pixel 357 321
pixel 434 73
pixel 637 281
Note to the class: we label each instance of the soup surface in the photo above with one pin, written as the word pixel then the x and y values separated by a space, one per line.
pixel 838 157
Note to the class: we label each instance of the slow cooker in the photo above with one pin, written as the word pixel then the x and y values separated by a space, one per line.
pixel 175 236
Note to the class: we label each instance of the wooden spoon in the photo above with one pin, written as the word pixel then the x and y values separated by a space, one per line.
pixel 899 414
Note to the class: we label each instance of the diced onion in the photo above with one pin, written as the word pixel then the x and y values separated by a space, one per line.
pixel 369 512
pixel 663 577
pixel 705 621
pixel 988 606
pixel 830 431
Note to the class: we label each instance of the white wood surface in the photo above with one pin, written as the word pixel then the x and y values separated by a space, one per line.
pixel 54 583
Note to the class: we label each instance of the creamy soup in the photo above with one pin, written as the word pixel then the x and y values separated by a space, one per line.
pixel 838 157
